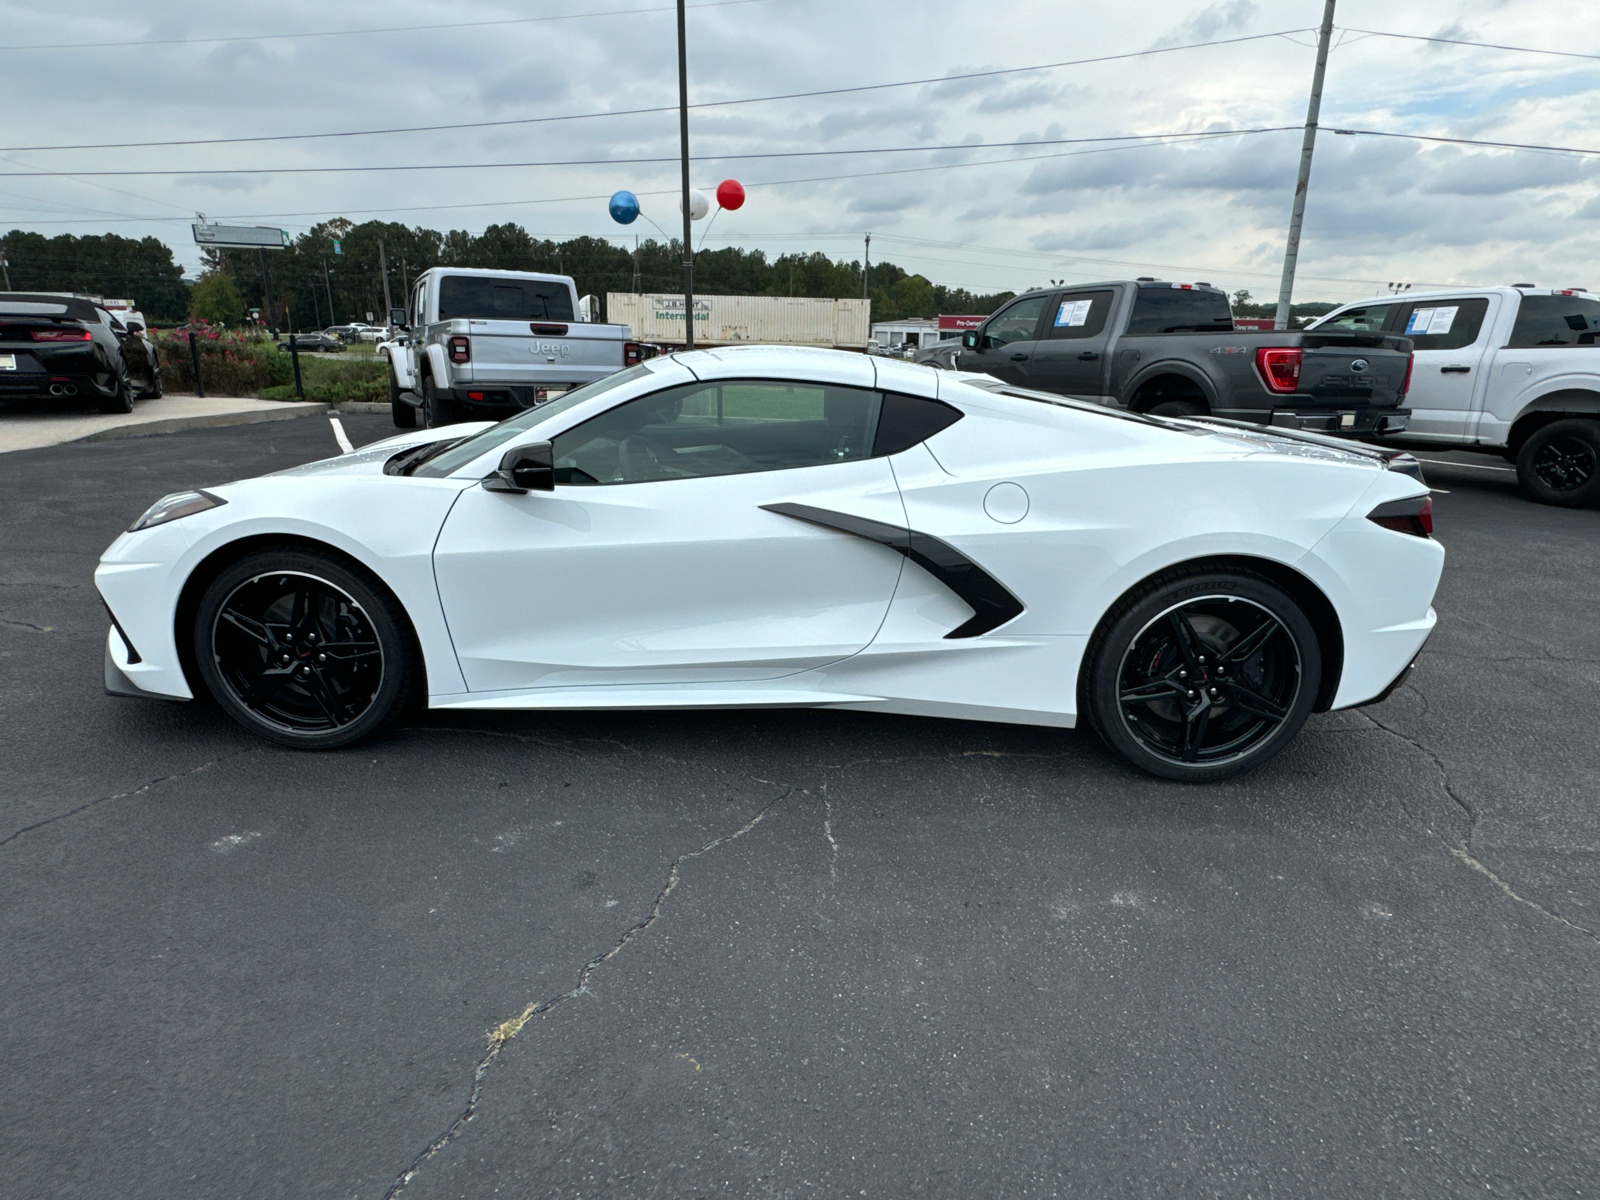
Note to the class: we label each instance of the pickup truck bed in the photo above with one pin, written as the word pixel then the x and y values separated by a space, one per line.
pixel 1172 349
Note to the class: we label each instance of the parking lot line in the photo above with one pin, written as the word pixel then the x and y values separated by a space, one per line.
pixel 340 436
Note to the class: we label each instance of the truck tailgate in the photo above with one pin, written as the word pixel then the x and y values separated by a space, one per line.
pixel 1337 370
pixel 542 351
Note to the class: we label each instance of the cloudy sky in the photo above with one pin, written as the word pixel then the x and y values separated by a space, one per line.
pixel 1380 209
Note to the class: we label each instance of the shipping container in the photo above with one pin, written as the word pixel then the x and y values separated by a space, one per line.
pixel 728 320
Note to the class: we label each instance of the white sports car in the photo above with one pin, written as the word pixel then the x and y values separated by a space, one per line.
pixel 774 527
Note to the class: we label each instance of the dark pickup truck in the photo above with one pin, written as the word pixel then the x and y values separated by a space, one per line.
pixel 1171 349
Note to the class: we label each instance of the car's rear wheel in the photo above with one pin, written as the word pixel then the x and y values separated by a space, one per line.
pixel 304 650
pixel 1560 464
pixel 1202 675
pixel 404 415
pixel 438 410
pixel 1178 408
pixel 120 400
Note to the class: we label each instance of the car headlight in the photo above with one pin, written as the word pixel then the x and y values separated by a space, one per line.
pixel 170 508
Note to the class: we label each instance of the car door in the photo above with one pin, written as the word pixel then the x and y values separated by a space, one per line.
pixel 1006 341
pixel 1450 337
pixel 655 559
pixel 1069 356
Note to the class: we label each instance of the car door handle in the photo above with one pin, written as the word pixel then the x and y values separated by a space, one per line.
pixel 1454 370
pixel 1088 356
pixel 1019 358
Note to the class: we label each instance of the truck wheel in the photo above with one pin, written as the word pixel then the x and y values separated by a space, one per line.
pixel 403 414
pixel 436 409
pixel 1178 408
pixel 1560 464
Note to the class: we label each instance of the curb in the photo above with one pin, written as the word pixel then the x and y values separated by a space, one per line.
pixel 362 406
pixel 206 421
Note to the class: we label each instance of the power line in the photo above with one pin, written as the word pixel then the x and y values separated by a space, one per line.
pixel 1416 37
pixel 310 33
pixel 633 112
pixel 1425 137
pixel 614 162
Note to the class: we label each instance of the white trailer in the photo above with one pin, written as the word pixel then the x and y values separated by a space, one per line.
pixel 728 320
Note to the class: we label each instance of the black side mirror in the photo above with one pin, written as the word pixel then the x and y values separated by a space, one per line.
pixel 135 327
pixel 397 318
pixel 530 468
pixel 970 339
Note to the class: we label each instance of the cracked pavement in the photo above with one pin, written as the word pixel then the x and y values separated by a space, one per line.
pixel 792 954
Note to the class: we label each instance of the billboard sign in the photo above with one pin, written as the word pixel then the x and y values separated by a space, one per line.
pixel 244 237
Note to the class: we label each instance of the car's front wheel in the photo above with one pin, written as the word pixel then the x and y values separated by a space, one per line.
pixel 1560 463
pixel 1202 674
pixel 438 410
pixel 301 648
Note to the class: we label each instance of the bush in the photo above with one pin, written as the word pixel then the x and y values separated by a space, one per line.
pixel 231 363
pixel 335 381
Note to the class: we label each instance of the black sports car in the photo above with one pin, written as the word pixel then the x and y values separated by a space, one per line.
pixel 68 347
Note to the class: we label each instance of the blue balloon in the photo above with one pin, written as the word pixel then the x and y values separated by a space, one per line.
pixel 624 208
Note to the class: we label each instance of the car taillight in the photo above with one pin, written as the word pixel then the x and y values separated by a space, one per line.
pixel 460 349
pixel 1413 516
pixel 1405 384
pixel 1279 367
pixel 62 335
pixel 632 352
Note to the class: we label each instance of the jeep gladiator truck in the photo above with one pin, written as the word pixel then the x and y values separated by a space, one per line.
pixel 481 345
pixel 1171 349
pixel 1509 371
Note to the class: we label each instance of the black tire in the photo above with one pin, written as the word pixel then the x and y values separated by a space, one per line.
pixel 120 401
pixel 404 415
pixel 1560 463
pixel 156 389
pixel 1250 647
pixel 438 410
pixel 1178 408
pixel 305 649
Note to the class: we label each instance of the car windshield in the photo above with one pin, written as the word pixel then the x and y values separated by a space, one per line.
pixel 479 444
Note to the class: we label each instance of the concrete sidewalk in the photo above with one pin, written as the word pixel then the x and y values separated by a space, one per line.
pixel 33 425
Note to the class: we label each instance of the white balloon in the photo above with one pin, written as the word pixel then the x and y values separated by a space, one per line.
pixel 699 204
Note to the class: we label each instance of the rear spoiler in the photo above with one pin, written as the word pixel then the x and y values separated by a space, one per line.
pixel 1392 459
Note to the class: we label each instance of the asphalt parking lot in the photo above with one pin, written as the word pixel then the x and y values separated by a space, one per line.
pixel 793 954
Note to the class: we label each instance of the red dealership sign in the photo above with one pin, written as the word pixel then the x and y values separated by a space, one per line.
pixel 960 323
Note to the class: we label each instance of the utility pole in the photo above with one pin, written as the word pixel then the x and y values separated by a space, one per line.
pixel 683 140
pixel 1291 251
pixel 637 291
pixel 332 320
pixel 266 290
pixel 383 266
pixel 866 265
pixel 6 268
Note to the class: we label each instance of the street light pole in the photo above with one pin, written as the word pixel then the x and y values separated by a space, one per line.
pixel 683 138
pixel 1291 251
pixel 383 266
pixel 866 265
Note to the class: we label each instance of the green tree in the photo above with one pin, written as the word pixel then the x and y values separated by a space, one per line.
pixel 216 299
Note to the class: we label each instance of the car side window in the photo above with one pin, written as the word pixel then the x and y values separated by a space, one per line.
pixel 731 427
pixel 1442 324
pixel 1369 318
pixel 1079 314
pixel 1556 321
pixel 1018 323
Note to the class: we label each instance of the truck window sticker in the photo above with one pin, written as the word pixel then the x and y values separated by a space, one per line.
pixel 1073 312
pixel 1432 320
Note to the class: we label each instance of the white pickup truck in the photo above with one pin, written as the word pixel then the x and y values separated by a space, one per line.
pixel 481 345
pixel 1513 371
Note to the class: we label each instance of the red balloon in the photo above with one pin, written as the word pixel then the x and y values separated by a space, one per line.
pixel 730 194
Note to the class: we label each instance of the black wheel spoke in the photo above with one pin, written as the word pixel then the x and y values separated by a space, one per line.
pixel 1194 731
pixel 1183 635
pixel 1159 689
pixel 251 628
pixel 316 686
pixel 270 683
pixel 1255 702
pixel 1250 642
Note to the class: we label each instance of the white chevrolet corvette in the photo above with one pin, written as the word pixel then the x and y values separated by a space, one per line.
pixel 774 527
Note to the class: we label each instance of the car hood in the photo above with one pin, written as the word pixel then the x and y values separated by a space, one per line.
pixel 369 460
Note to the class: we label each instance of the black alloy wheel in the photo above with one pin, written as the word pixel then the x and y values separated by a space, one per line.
pixel 120 400
pixel 299 648
pixel 438 410
pixel 1178 408
pixel 1560 463
pixel 1203 677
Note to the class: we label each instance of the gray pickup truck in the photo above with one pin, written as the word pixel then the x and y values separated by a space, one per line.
pixel 1171 349
pixel 480 345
